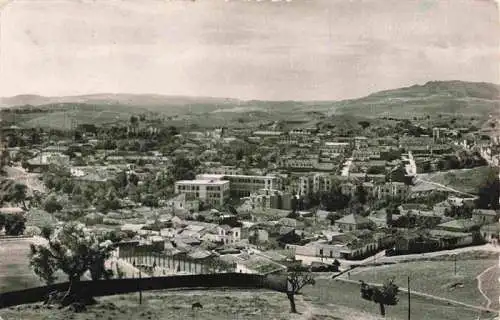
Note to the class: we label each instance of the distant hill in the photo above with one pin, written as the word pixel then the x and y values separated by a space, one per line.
pixel 478 100
pixel 143 100
pixel 436 97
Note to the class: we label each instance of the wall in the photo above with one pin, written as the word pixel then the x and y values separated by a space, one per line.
pixel 122 286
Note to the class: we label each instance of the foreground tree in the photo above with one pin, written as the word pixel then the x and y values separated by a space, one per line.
pixel 295 282
pixel 387 295
pixel 73 250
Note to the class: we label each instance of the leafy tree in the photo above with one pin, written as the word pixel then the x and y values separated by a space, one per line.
pixel 460 212
pixel 295 282
pixel 134 120
pixel 183 169
pixel 51 205
pixel 391 211
pixel 364 124
pixel 361 194
pixel 489 191
pixel 150 200
pixel 43 264
pixel 73 250
pixel 216 265
pixel 19 194
pixel 334 200
pixel 15 224
pixel 385 296
pixel 46 231
pixel 293 215
pixel 133 179
pixel 3 219
pixel 332 216
pixel 121 180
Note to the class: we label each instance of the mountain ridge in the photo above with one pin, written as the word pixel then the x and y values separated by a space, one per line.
pixel 478 89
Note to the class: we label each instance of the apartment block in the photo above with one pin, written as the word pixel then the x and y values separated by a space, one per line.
pixel 244 185
pixel 215 192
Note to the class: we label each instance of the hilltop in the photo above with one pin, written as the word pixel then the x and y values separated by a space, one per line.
pixel 477 99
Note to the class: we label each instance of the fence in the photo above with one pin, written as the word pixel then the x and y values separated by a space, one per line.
pixel 121 286
pixel 174 264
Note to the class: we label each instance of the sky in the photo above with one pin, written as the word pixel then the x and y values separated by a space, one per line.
pixel 268 50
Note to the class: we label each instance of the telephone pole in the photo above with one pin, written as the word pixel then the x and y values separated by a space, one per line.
pixel 140 287
pixel 409 299
pixel 455 263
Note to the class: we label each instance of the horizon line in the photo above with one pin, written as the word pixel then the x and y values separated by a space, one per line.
pixel 233 98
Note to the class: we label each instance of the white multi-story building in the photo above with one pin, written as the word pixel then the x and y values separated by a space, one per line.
pixel 215 192
pixel 244 185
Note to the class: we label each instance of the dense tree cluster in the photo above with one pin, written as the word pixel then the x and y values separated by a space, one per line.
pixel 14 224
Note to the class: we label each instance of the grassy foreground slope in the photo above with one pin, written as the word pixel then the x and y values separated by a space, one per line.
pixel 328 300
pixel 335 294
pixel 438 278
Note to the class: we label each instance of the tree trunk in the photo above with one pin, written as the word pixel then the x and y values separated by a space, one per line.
pixel 382 309
pixel 291 297
pixel 67 296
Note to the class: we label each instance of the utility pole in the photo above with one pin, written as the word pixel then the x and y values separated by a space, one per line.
pixel 140 288
pixel 409 299
pixel 455 263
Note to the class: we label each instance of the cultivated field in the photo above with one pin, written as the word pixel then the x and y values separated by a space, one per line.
pixel 438 278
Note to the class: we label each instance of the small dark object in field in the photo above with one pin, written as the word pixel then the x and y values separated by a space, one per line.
pixel 196 305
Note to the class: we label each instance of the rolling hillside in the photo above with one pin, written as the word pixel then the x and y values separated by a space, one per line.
pixel 438 98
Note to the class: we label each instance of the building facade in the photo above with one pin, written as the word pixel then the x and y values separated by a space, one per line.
pixel 215 192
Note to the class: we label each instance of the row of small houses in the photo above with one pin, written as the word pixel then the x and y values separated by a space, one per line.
pixel 360 244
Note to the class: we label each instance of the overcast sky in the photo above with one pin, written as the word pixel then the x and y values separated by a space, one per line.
pixel 298 49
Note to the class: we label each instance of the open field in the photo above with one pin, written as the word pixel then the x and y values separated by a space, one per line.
pixel 15 272
pixel 465 180
pixel 217 305
pixel 438 278
pixel 331 294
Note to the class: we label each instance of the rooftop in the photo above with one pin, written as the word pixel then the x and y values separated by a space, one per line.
pixel 202 182
pixel 331 144
pixel 353 219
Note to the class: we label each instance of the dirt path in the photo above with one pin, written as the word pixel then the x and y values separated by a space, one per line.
pixel 482 278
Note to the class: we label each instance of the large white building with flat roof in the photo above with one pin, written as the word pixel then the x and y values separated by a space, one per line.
pixel 244 185
pixel 211 191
